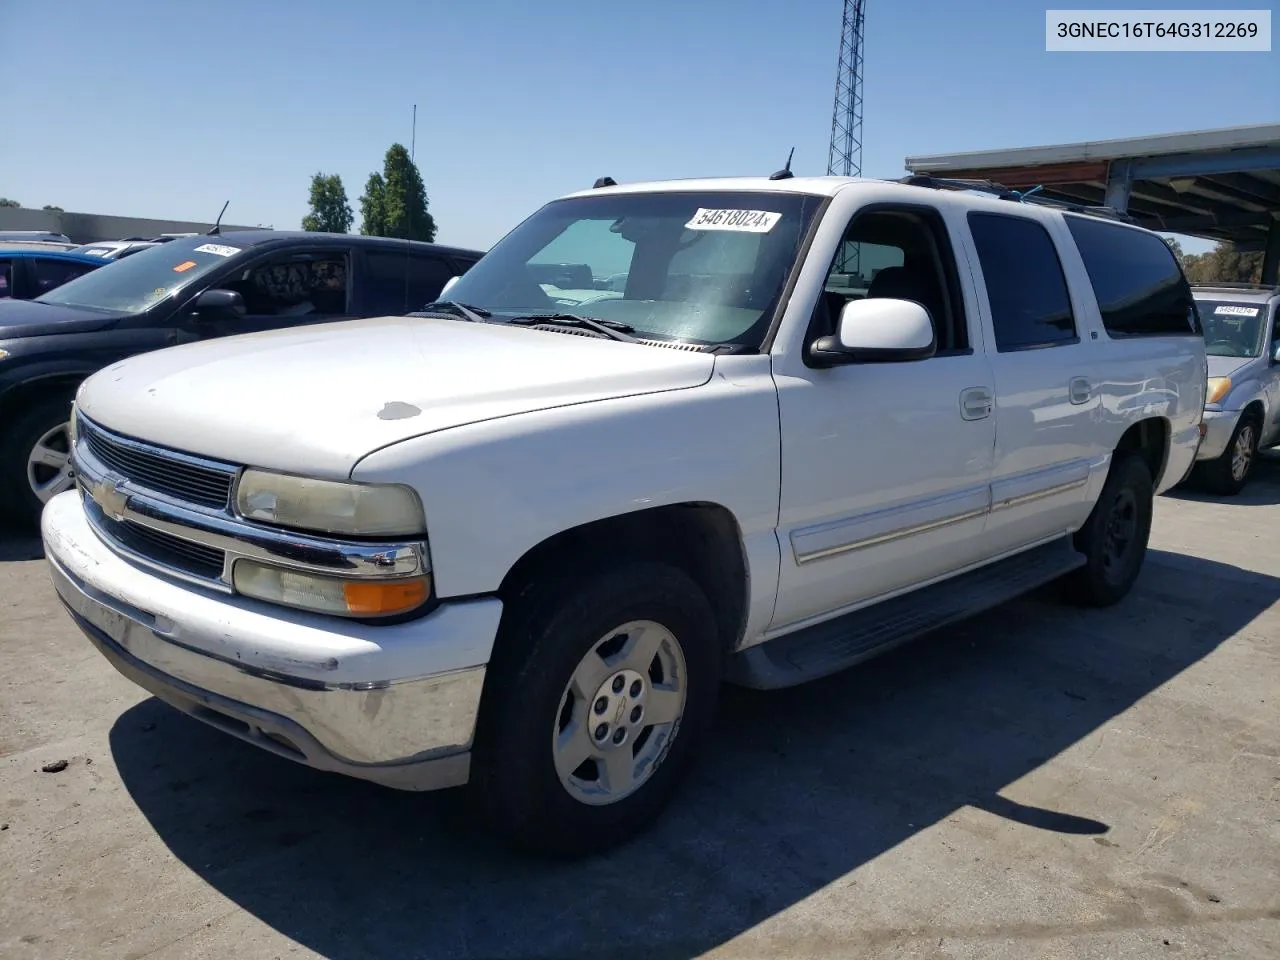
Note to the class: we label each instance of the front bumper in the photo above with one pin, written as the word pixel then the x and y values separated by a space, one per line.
pixel 1218 427
pixel 394 704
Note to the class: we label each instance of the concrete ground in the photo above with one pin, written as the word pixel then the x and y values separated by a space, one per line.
pixel 1040 783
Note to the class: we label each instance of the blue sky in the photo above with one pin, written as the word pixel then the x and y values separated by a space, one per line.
pixel 160 109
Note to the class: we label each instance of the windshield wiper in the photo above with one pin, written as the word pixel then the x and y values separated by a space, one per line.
pixel 610 328
pixel 465 311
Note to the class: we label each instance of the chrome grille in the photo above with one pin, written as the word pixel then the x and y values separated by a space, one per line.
pixel 167 472
pixel 156 547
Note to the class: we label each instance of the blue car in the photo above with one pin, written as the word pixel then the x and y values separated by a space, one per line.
pixel 26 273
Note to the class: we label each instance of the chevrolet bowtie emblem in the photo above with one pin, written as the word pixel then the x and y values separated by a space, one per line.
pixel 109 493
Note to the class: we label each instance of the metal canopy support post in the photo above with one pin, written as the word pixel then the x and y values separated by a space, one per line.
pixel 1271 259
pixel 1119 186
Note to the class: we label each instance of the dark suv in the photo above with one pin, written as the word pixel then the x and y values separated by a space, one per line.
pixel 190 288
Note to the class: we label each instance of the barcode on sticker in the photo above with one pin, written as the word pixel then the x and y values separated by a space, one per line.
pixel 744 221
pixel 1237 311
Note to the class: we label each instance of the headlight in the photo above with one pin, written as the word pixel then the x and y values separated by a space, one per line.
pixel 1219 387
pixel 322 594
pixel 330 506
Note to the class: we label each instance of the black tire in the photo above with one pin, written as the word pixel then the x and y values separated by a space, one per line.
pixel 546 633
pixel 19 504
pixel 1221 476
pixel 1125 502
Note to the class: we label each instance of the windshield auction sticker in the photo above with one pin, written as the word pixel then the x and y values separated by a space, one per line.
pixel 217 249
pixel 1232 311
pixel 741 221
pixel 184 266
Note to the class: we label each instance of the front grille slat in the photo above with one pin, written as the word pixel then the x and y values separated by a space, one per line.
pixel 172 474
pixel 153 469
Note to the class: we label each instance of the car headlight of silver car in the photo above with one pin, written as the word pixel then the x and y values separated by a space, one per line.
pixel 330 506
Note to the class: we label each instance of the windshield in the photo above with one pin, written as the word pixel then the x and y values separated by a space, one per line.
pixel 132 284
pixel 703 267
pixel 1233 329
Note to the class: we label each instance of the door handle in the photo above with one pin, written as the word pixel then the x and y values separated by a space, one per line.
pixel 1081 390
pixel 976 403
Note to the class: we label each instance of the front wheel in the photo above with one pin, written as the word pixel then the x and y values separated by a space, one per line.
pixel 1114 538
pixel 35 460
pixel 1230 472
pixel 599 694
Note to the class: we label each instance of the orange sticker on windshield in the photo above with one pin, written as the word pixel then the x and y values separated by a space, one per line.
pixel 184 266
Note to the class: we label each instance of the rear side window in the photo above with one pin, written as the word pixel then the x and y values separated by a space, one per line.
pixel 6 280
pixel 1027 289
pixel 400 281
pixel 1140 287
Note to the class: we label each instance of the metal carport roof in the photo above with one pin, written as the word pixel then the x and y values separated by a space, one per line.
pixel 1219 184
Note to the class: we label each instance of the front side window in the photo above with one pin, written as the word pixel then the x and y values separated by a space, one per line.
pixel 1026 287
pixel 136 283
pixel 48 274
pixel 698 266
pixel 1233 328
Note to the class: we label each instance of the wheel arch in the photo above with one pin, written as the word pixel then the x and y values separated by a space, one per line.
pixel 1149 439
pixel 702 538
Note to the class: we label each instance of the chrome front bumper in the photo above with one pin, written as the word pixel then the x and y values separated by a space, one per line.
pixel 408 726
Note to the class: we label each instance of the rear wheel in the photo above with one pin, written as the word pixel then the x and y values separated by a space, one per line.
pixel 35 460
pixel 1114 538
pixel 1230 473
pixel 598 696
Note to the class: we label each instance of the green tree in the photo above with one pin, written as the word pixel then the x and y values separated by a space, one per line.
pixel 330 211
pixel 1223 264
pixel 50 208
pixel 395 202
pixel 6 202
pixel 373 220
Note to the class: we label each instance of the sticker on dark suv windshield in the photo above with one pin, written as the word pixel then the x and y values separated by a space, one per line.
pixel 1230 311
pixel 184 266
pixel 743 221
pixel 217 249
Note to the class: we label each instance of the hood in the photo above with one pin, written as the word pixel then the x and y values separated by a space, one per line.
pixel 27 318
pixel 1226 366
pixel 316 399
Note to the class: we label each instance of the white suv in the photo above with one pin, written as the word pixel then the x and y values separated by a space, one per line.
pixel 662 436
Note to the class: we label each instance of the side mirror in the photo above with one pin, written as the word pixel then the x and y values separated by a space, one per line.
pixel 219 304
pixel 448 285
pixel 880 330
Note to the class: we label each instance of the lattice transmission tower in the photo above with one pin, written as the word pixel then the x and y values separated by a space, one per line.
pixel 844 157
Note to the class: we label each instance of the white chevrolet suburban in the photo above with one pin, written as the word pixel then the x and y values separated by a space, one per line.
pixel 663 436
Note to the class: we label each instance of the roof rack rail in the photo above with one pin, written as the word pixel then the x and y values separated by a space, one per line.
pixel 1017 196
pixel 1238 285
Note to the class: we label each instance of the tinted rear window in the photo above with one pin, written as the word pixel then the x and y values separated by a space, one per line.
pixel 1140 287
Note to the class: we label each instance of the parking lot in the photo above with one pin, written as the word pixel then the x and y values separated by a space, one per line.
pixel 1039 782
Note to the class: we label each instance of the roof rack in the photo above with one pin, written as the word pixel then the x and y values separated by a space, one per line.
pixel 1239 285
pixel 1017 196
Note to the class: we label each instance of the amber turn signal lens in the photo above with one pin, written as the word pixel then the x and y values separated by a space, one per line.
pixel 380 599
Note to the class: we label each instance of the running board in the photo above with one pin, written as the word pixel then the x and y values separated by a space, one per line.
pixel 835 645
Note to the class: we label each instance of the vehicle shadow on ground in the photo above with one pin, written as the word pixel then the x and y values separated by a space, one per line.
pixel 1263 489
pixel 797 789
pixel 15 545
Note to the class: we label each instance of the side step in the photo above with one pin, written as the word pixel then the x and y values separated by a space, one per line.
pixel 832 646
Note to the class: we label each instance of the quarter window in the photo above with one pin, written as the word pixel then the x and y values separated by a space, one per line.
pixel 1026 287
pixel 1140 287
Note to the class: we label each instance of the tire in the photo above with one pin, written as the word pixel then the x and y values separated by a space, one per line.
pixel 42 424
pixel 1230 473
pixel 1125 502
pixel 530 706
